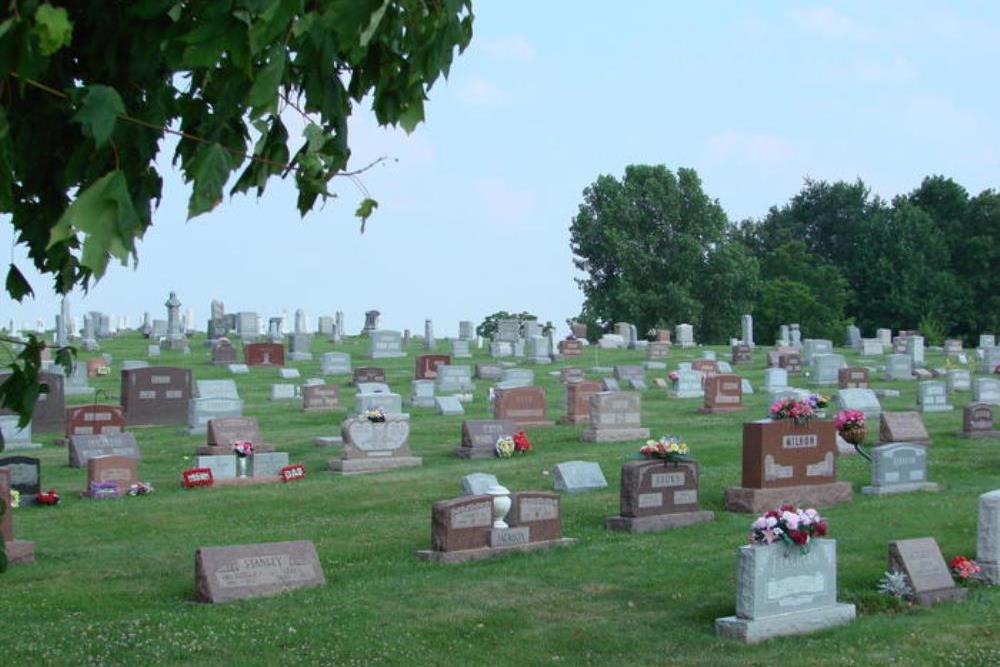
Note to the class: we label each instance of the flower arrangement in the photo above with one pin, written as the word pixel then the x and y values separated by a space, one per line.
pixel 505 447
pixel 15 499
pixel 789 525
pixel 374 415
pixel 674 376
pixel 140 489
pixel 50 497
pixel 797 410
pixel 243 448
pixel 848 420
pixel 102 490
pixel 818 401
pixel 669 447
pixel 896 585
pixel 521 442
pixel 964 568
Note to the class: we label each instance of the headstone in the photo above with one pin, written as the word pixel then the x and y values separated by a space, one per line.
pixel 239 369
pixel 658 495
pixel 785 462
pixel 460 349
pixel 986 390
pixel 775 378
pixel 320 398
pixel 223 353
pixel 267 464
pixel 853 337
pixel 853 377
pixel 987 340
pixel 452 379
pixel 477 483
pixel 448 405
pixel 578 476
pixel 17 551
pixel 223 574
pixel 723 393
pixel 299 346
pixel 741 354
pixel 489 371
pixel 826 368
pixel 461 524
pixel 523 405
pixel 915 350
pixel 926 572
pixel 689 384
pixel 871 347
pixel 884 337
pixel 903 427
pixel 82 448
pixel 958 379
pixel 791 362
pixel 782 592
pixel 385 344
pixel 864 400
pixel 390 402
pixel 932 396
pixel 25 475
pixel 746 329
pixel 578 402
pixel 899 467
pixel 977 421
pixel 685 335
pixel 991 359
pixel 615 417
pixel 538 350
pixel 427 365
pixel 952 346
pixel 706 366
pixel 370 446
pixel 517 377
pixel 94 419
pixel 122 471
pixel 466 330
pixel 611 342
pixel 657 350
pixel 898 367
pixel 156 395
pixel 571 375
pixel 289 373
pixel 335 363
pixel 479 437
pixel 223 466
pixel 49 415
pixel 364 374
pixel 422 393
pixel 571 348
pixel 223 433
pixel 264 354
pixel 988 543
pixel 812 347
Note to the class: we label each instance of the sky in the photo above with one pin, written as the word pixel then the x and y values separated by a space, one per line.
pixel 475 205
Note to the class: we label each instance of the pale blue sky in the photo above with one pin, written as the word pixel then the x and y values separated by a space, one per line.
pixel 474 216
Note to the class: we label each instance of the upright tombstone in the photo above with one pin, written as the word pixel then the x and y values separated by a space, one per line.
pixel 685 335
pixel 741 354
pixel 264 354
pixel 884 337
pixel 706 366
pixel 571 348
pixel 991 359
pixel 335 363
pixel 657 495
pixel 479 437
pixel 93 419
pixel 782 592
pixel 223 352
pixel 657 351
pixel 385 344
pixel 871 347
pixel 899 467
pixel 214 399
pixel 902 427
pixel 374 446
pixel 812 347
pixel 775 379
pixel 571 375
pixel 523 405
pixel 791 362
pixel 988 542
pixel 429 342
pixel 615 417
pixel 538 350
pixel 18 552
pixel 723 393
pixel 864 400
pixel 630 373
pixel 427 365
pixel 466 330
pixel 785 462
pixel 476 484
pixel 176 339
pixel 454 380
pixel 320 398
pixel 25 476
pixel 926 572
pixel 853 377
pixel 49 415
pixel 366 374
pixel 689 384
pixel 122 471
pixel 578 477
pixel 853 338
pixel 460 349
pixel 578 402
pixel 155 395
pixel 986 390
pixel 898 367
pixel 977 421
pixel 224 432
pixel 747 330
pixel 958 379
pixel 299 345
pixel 516 377
pixel 489 371
pixel 82 448
pixel 464 528
pixel 932 396
pixel 224 574
pixel 915 350
pixel 422 393
pixel 826 368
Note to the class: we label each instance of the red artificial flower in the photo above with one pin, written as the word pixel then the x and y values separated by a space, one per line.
pixel 821 528
pixel 521 442
pixel 800 537
pixel 773 513
pixel 787 508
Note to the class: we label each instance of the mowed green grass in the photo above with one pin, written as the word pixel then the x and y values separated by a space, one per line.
pixel 113 582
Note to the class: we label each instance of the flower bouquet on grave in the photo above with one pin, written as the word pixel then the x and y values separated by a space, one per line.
pixel 788 525
pixel 243 450
pixel 15 499
pixel 798 410
pixel 850 425
pixel 50 497
pixel 964 569
pixel 818 403
pixel 673 376
pixel 505 447
pixel 669 448
pixel 103 490
pixel 521 443
pixel 374 415
pixel 140 489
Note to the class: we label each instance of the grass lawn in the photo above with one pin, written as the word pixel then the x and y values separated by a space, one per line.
pixel 113 582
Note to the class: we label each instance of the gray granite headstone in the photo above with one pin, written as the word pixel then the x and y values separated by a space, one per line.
pixel 578 476
pixel 475 484
pixel 244 571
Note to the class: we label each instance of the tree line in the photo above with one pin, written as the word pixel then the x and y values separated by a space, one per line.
pixel 656 250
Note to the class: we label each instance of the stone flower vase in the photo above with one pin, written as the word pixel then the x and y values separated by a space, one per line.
pixel 241 465
pixel 501 504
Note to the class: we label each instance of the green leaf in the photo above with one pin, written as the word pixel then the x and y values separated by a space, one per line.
pixel 100 109
pixel 104 212
pixel 211 172
pixel 263 95
pixel 19 392
pixel 412 116
pixel 17 286
pixel 53 28
pixel 376 18
pixel 365 210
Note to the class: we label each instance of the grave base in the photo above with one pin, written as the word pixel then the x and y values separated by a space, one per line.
pixel 473 453
pixel 358 466
pixel 990 572
pixel 712 411
pixel 890 489
pixel 20 552
pixel 756 630
pixel 328 440
pixel 658 522
pixel 978 434
pixel 491 552
pixel 755 501
pixel 930 598
pixel 614 434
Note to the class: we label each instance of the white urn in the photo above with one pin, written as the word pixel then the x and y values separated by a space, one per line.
pixel 501 504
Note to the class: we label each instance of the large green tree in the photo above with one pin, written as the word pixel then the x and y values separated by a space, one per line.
pixel 91 88
pixel 646 243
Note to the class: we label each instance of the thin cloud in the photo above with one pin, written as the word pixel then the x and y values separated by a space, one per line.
pixel 749 147
pixel 480 92
pixel 510 48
